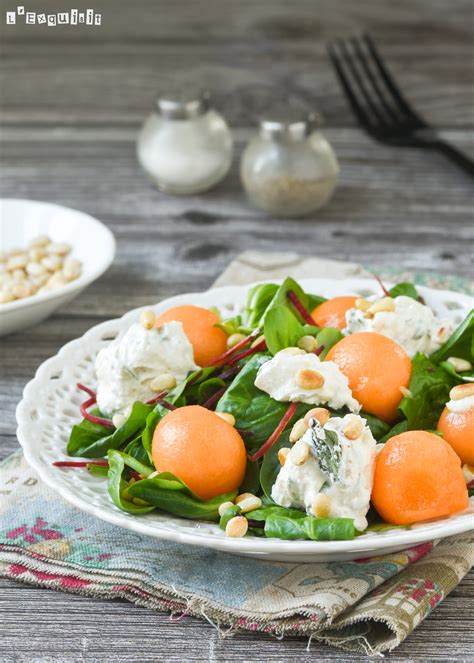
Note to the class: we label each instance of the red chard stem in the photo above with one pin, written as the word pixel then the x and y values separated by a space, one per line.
pixel 260 347
pixel 287 417
pixel 80 463
pixel 229 353
pixel 304 313
pixel 384 289
pixel 209 404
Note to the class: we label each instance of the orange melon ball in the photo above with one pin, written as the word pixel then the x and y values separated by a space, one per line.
pixel 376 368
pixel 208 341
pixel 332 313
pixel 200 448
pixel 418 477
pixel 458 431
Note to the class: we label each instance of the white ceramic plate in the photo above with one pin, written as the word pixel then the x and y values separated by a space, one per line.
pixel 92 243
pixel 50 406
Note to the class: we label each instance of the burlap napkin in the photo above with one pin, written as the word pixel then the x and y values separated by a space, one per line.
pixel 368 605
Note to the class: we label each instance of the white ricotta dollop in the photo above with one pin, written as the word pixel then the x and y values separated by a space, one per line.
pixel 348 490
pixel 412 325
pixel 461 405
pixel 126 367
pixel 278 378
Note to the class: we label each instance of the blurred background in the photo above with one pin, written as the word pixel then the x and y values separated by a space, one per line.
pixel 73 99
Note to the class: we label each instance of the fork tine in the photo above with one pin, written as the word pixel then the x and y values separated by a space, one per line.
pixel 363 60
pixel 359 111
pixel 389 81
pixel 360 83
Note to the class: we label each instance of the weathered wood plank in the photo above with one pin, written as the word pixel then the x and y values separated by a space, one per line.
pixel 251 55
pixel 81 629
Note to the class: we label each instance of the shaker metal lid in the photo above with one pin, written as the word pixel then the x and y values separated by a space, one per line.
pixel 182 103
pixel 295 124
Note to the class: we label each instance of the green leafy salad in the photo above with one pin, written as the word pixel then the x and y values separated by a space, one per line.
pixel 299 418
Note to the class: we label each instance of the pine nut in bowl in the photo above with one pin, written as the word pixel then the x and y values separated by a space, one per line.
pixel 49 254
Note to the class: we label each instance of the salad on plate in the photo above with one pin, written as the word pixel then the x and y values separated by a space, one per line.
pixel 296 418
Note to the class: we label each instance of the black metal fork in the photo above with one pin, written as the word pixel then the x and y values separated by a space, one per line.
pixel 378 103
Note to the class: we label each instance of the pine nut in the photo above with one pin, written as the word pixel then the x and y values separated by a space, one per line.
pixel 319 413
pixel 52 263
pixel 382 305
pixel 71 269
pixel 17 262
pixel 468 471
pixel 257 341
pixel 460 365
pixel 309 379
pixel 55 281
pixel 308 343
pixel 227 416
pixel 321 506
pixel 283 454
pixel 292 352
pixel 40 240
pixel 248 502
pixel 18 275
pixel 35 269
pixel 354 428
pixel 21 290
pixel 118 420
pixel 39 281
pixel 300 453
pixel 58 248
pixel 298 430
pixel 224 506
pixel 362 304
pixel 461 391
pixel 35 255
pixel 163 382
pixel 234 339
pixel 406 392
pixel 237 527
pixel 147 319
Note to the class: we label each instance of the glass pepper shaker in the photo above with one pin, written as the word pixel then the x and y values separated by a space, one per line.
pixel 185 146
pixel 289 168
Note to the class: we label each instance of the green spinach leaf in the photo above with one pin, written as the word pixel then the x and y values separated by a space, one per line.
pixel 92 441
pixel 460 343
pixel 406 289
pixel 258 299
pixel 282 524
pixel 401 427
pixel 117 485
pixel 328 337
pixel 429 386
pixel 170 494
pixel 256 414
pixel 281 329
pixel 377 427
pixel 465 376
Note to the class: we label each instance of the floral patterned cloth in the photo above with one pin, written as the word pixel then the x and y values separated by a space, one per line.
pixel 368 605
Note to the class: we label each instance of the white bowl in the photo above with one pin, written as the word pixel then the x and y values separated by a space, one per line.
pixel 50 407
pixel 92 243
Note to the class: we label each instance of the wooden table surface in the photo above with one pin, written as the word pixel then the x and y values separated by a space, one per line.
pixel 72 101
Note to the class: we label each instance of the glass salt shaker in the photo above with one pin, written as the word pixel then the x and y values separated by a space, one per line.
pixel 289 168
pixel 185 146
